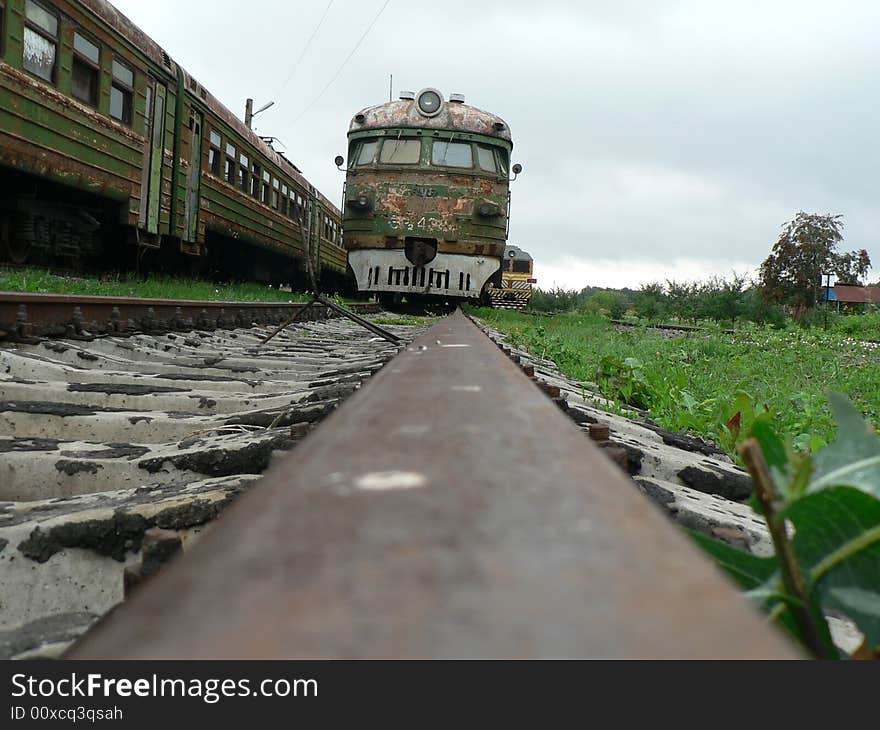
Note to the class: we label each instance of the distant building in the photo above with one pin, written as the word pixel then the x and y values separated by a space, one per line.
pixel 852 295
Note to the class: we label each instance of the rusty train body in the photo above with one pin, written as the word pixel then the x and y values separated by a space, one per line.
pixel 427 200
pixel 108 147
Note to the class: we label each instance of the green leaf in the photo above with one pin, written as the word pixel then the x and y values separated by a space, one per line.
pixel 759 577
pixel 837 543
pixel 854 458
pixel 859 600
pixel 771 444
pixel 748 570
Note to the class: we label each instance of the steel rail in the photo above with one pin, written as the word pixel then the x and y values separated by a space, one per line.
pixel 448 509
pixel 28 315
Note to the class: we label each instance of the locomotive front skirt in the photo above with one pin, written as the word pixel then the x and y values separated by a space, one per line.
pixel 426 201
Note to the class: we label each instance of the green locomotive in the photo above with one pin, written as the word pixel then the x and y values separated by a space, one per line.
pixel 109 149
pixel 427 199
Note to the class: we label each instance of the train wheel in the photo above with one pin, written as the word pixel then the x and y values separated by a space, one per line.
pixel 16 249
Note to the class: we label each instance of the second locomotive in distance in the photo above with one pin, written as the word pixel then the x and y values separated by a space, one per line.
pixel 427 200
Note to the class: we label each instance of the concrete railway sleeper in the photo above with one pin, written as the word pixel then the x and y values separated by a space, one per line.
pixel 104 439
pixel 449 509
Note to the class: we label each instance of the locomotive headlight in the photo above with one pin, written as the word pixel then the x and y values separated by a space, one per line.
pixel 429 101
pixel 361 203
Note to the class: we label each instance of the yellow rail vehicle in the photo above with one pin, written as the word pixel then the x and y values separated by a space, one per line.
pixel 517 279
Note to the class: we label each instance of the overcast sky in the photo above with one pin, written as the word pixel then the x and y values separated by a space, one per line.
pixel 666 139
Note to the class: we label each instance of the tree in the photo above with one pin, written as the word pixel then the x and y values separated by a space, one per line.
pixel 850 268
pixel 649 301
pixel 611 302
pixel 719 299
pixel 804 251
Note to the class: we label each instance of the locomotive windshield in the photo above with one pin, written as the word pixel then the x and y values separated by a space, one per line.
pixel 401 151
pixel 444 153
pixel 368 152
pixel 452 154
pixel 486 158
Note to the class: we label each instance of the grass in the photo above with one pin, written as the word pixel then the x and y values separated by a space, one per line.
pixel 863 326
pixel 698 382
pixel 407 320
pixel 158 287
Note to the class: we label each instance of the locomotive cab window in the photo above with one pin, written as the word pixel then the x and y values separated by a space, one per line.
pixel 85 70
pixel 40 41
pixel 214 154
pixel 502 161
pixel 401 151
pixel 367 152
pixel 452 154
pixel 486 158
pixel 122 93
pixel 522 266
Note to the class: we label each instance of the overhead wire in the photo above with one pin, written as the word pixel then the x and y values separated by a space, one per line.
pixel 305 49
pixel 344 63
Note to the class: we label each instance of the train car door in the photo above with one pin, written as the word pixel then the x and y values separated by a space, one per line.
pixel 310 236
pixel 191 214
pixel 151 177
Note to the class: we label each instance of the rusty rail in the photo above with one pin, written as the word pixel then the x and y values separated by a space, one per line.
pixel 25 315
pixel 449 509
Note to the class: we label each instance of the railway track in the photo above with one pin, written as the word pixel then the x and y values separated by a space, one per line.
pixel 107 437
pixel 26 316
pixel 449 508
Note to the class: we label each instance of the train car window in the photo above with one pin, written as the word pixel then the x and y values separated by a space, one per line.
pixel 452 154
pixel 230 163
pixel 40 41
pixel 122 93
pixel 486 158
pixel 214 154
pixel 244 169
pixel 266 188
pixel 284 200
pixel 275 199
pixel 85 70
pixel 255 182
pixel 401 151
pixel 367 152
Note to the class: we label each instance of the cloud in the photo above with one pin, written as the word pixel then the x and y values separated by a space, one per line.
pixel 573 272
pixel 649 131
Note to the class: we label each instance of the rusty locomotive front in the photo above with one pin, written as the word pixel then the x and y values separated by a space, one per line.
pixel 426 200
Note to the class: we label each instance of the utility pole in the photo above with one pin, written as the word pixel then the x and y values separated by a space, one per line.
pixel 249 112
pixel 827 297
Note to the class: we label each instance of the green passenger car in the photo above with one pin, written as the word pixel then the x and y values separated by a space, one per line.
pixel 110 150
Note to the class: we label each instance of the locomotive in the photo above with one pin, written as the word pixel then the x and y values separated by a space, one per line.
pixel 517 278
pixel 426 201
pixel 109 150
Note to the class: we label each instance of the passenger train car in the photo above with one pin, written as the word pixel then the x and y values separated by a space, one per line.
pixel 109 149
pixel 426 199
